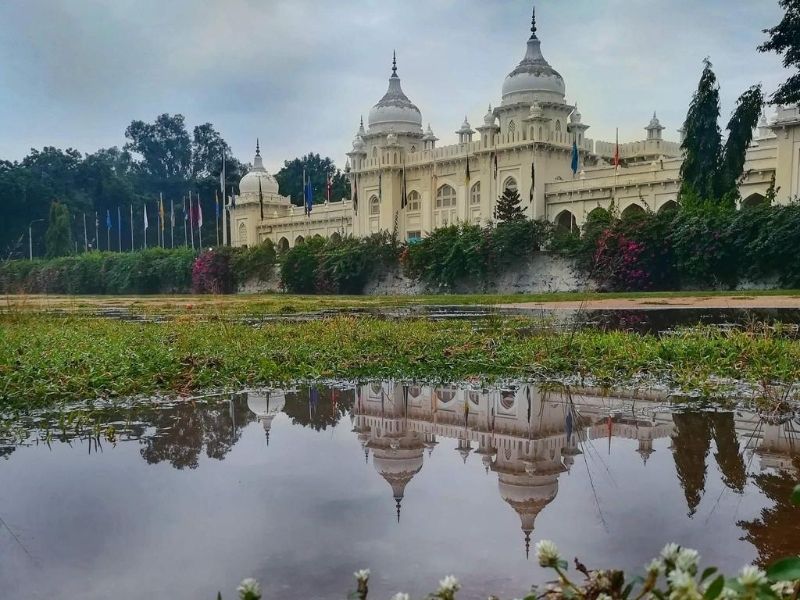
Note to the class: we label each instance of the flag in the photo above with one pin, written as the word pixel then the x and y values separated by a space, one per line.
pixel 199 212
pixel 533 178
pixel 328 187
pixel 222 175
pixel 161 211
pixel 185 212
pixel 575 158
pixel 494 159
pixel 260 198
pixel 616 152
pixel 144 209
pixel 108 219
pixel 404 193
pixel 354 185
pixel 216 205
pixel 309 197
pixel 466 174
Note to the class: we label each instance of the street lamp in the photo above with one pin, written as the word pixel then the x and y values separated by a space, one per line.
pixel 30 237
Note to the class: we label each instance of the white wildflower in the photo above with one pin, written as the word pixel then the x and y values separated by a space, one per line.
pixel 655 567
pixel 547 553
pixel 682 586
pixel 687 560
pixel 670 552
pixel 751 576
pixel 401 596
pixel 783 588
pixel 603 597
pixel 448 585
pixel 728 594
pixel 362 575
pixel 249 589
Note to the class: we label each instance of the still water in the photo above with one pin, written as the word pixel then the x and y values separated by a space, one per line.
pixel 301 487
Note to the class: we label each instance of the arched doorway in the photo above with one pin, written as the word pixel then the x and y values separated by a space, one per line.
pixel 299 240
pixel 243 234
pixel 668 206
pixel 283 244
pixel 335 237
pixel 565 222
pixel 632 211
pixel 754 200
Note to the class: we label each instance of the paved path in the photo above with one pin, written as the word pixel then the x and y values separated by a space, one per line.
pixel 651 303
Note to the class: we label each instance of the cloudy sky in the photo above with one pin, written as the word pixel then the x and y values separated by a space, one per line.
pixel 299 73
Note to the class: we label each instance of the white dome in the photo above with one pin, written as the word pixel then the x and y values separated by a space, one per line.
pixel 395 111
pixel 249 184
pixel 533 76
pixel 263 404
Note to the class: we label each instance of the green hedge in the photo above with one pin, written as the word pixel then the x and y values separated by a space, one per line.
pixel 151 271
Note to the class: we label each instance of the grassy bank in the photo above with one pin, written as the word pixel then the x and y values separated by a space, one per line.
pixel 262 304
pixel 47 359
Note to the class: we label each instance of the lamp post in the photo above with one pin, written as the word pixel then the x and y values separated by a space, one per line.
pixel 30 237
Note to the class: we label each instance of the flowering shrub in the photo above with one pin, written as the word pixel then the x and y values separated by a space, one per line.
pixel 211 272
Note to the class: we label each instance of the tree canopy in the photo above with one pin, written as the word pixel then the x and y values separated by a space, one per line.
pixel 784 39
pixel 317 170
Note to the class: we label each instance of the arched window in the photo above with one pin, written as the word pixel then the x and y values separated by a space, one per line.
pixel 540 132
pixel 374 206
pixel 512 127
pixel 558 126
pixel 299 240
pixel 335 237
pixel 283 244
pixel 445 394
pixel 667 206
pixel 565 221
pixel 414 201
pixel 753 200
pixel 374 152
pixel 475 194
pixel 507 400
pixel 242 234
pixel 413 148
pixel 445 197
pixel 511 185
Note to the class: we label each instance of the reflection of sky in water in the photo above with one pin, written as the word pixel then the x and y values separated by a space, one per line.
pixel 192 498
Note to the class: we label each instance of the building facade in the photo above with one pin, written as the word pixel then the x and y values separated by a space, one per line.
pixel 401 178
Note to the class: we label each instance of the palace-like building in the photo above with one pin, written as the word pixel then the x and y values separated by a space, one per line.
pixel 525 143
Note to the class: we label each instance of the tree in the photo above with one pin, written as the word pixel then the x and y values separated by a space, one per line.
pixel 785 40
pixel 508 208
pixel 165 148
pixel 710 171
pixel 207 150
pixel 58 239
pixel 317 170
pixel 702 142
pixel 740 134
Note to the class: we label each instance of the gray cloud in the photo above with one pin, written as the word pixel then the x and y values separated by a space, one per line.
pixel 299 73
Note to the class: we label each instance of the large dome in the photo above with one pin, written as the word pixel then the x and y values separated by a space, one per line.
pixel 533 78
pixel 395 112
pixel 249 184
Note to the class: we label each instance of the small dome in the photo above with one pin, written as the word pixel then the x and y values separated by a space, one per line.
pixel 358 144
pixel 249 184
pixel 575 117
pixel 395 111
pixel 489 118
pixel 654 123
pixel 533 75
pixel 465 127
pixel 429 137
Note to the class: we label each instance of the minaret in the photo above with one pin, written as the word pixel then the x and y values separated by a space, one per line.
pixel 654 129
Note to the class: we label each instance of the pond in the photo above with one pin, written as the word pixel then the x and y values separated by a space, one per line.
pixel 301 487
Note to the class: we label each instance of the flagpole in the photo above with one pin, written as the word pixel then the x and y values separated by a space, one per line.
pixel 185 214
pixel 171 222
pixel 132 246
pixel 96 231
pixel 108 231
pixel 144 225
pixel 119 229
pixel 191 220
pixel 216 215
pixel 85 235
pixel 199 222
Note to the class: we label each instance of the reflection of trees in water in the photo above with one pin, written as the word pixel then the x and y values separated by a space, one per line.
pixel 318 407
pixel 5 451
pixel 184 430
pixel 691 442
pixel 776 533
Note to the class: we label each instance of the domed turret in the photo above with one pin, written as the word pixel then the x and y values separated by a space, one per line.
pixel 489 119
pixel 654 128
pixel 397 461
pixel 249 184
pixel 266 407
pixel 395 111
pixel 533 78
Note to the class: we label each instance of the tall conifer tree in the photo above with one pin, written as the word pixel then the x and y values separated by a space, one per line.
pixel 508 208
pixel 702 141
pixel 740 134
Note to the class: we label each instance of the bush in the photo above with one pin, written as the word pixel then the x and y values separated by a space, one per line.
pixel 299 266
pixel 449 254
pixel 256 262
pixel 211 272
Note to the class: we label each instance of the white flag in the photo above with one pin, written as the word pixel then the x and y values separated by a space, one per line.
pixel 145 216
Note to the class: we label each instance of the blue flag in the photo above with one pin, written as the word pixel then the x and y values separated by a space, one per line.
pixel 108 219
pixel 574 158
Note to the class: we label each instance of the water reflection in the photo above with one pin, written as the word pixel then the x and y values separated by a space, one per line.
pixel 607 454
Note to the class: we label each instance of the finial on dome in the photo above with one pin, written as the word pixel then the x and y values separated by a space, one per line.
pixel 258 149
pixel 397 506
pixel 394 63
pixel 362 120
pixel 527 544
pixel 533 22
